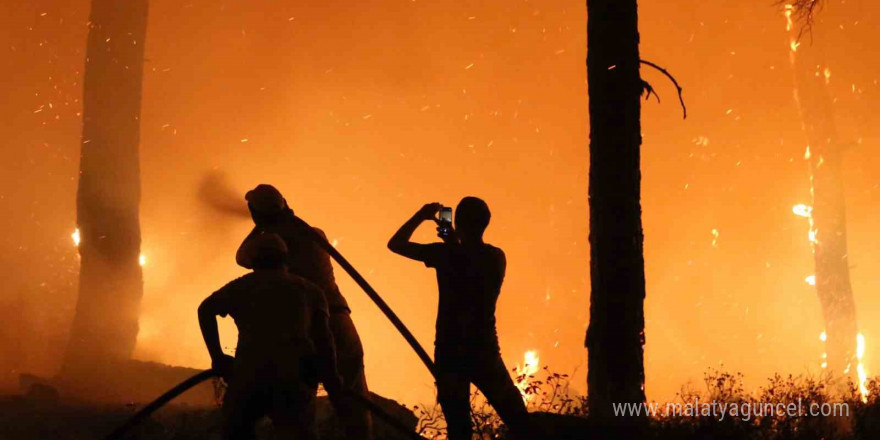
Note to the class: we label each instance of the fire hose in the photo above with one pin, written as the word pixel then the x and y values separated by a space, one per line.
pixel 182 387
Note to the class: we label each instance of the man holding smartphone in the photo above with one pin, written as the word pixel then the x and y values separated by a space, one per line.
pixel 469 276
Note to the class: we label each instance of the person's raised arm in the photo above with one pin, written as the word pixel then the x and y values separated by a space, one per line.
pixel 241 256
pixel 208 312
pixel 400 243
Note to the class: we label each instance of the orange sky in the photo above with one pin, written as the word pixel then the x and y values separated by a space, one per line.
pixel 361 112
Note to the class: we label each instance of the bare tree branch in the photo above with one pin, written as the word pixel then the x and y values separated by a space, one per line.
pixel 671 78
pixel 803 13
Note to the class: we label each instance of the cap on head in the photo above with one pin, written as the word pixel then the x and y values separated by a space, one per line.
pixel 265 200
pixel 266 251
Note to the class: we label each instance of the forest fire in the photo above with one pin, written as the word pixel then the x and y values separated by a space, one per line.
pixel 687 255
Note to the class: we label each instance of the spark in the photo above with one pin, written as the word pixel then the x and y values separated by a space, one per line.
pixel 715 235
pixel 811 280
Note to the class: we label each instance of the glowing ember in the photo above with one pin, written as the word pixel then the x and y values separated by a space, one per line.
pixel 811 280
pixel 142 260
pixel 802 210
pixel 525 372
pixel 75 236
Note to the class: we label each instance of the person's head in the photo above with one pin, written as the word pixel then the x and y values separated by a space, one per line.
pixel 471 219
pixel 267 251
pixel 266 204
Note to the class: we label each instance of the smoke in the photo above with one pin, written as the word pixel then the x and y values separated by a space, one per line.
pixel 216 192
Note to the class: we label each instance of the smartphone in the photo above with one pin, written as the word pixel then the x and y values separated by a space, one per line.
pixel 446 215
pixel 445 226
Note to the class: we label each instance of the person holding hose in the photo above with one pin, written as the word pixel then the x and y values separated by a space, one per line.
pixel 305 258
pixel 284 348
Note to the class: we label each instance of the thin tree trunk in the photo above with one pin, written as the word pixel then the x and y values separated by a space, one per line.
pixel 105 325
pixel 615 338
pixel 828 232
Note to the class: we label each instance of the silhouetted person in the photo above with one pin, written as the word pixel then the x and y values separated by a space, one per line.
pixel 469 276
pixel 305 258
pixel 284 346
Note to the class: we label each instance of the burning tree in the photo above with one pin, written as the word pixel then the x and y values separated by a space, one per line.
pixel 105 326
pixel 615 338
pixel 827 214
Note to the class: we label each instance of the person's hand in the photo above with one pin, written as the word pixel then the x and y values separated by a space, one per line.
pixel 429 211
pixel 333 386
pixel 223 366
pixel 446 233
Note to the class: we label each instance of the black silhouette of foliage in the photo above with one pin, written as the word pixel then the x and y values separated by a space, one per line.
pixel 803 13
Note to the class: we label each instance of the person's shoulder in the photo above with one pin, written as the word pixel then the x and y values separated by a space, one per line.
pixel 494 250
pixel 301 283
pixel 238 284
pixel 247 278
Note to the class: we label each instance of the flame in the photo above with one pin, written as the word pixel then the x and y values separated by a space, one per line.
pixel 142 260
pixel 525 372
pixel 76 237
pixel 811 280
pixel 860 368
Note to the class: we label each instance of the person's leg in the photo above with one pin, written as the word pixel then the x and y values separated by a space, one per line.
pixel 453 395
pixel 293 412
pixel 356 420
pixel 242 407
pixel 493 379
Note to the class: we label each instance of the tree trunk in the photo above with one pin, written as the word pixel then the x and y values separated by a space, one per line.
pixel 828 216
pixel 616 335
pixel 105 325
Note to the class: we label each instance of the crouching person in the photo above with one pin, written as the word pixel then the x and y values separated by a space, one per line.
pixel 284 346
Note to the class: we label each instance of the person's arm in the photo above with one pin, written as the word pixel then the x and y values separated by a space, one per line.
pixel 208 312
pixel 325 349
pixel 400 243
pixel 241 257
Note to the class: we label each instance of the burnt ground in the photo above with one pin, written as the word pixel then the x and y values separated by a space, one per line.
pixel 26 418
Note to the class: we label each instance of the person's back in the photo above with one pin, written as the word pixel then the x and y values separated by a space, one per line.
pixel 271 309
pixel 469 278
pixel 305 258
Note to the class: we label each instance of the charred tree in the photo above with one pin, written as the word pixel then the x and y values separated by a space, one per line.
pixel 616 334
pixel 105 325
pixel 825 155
